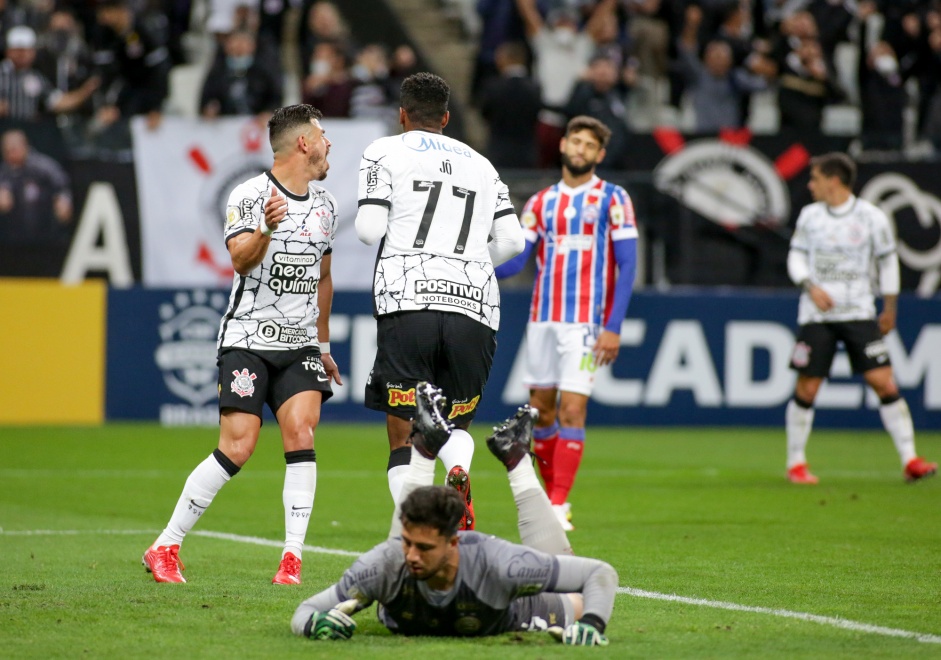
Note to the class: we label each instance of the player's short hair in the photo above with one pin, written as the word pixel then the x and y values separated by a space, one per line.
pixel 596 126
pixel 288 119
pixel 437 507
pixel 836 164
pixel 424 97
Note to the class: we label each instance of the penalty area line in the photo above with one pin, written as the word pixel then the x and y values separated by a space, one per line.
pixel 836 622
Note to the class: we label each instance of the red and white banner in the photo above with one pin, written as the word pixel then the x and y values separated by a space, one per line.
pixel 186 169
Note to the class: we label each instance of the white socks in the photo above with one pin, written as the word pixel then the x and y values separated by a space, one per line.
pixel 300 484
pixel 897 420
pixel 198 492
pixel 420 472
pixel 458 450
pixel 522 478
pixel 798 423
pixel 397 477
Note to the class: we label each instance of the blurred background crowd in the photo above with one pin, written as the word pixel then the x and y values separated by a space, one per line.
pixel 866 68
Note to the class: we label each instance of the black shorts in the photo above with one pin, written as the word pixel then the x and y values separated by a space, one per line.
pixel 250 379
pixel 817 344
pixel 533 613
pixel 449 350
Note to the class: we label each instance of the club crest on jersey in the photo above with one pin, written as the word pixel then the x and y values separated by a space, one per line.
pixel 243 384
pixel 590 214
pixel 463 407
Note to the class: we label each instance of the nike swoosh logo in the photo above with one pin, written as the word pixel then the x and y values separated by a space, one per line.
pixel 193 502
pixel 299 508
pixel 322 380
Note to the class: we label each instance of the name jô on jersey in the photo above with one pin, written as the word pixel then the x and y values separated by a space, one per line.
pixel 288 274
pixel 445 292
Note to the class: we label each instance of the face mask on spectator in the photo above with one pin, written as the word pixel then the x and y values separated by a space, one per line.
pixel 320 67
pixel 886 65
pixel 239 62
pixel 564 36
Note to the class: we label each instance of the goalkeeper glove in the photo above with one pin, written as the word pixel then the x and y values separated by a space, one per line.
pixel 579 634
pixel 332 624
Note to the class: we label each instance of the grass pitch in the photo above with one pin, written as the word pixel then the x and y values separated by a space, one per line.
pixel 699 514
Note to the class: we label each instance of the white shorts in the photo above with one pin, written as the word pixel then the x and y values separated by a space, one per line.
pixel 558 355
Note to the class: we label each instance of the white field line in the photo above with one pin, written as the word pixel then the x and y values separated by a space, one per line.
pixel 835 622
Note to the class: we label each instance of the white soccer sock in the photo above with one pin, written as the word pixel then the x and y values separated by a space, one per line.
pixel 897 420
pixel 397 477
pixel 421 472
pixel 522 478
pixel 798 423
pixel 300 484
pixel 458 450
pixel 198 492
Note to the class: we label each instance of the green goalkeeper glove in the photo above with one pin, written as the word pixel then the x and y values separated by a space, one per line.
pixel 579 634
pixel 332 624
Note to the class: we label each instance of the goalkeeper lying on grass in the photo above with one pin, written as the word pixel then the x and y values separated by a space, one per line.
pixel 430 579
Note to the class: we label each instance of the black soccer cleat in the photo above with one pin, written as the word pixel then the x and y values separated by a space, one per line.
pixel 511 441
pixel 430 428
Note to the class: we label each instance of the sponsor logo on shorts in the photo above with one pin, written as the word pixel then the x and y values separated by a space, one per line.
pixel 274 332
pixel 445 292
pixel 877 350
pixel 243 385
pixel 399 397
pixel 800 358
pixel 313 363
pixel 463 407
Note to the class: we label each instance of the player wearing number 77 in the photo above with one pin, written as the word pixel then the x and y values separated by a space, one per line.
pixel 435 203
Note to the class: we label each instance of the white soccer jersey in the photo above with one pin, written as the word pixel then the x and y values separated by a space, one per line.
pixel 842 252
pixel 443 198
pixel 275 306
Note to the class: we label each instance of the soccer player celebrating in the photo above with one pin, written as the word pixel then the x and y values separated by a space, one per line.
pixel 435 203
pixel 274 338
pixel 587 253
pixel 431 579
pixel 839 242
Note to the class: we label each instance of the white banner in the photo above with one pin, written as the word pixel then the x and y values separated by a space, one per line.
pixel 185 171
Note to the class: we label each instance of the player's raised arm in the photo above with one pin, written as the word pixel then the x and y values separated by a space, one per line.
pixel 248 249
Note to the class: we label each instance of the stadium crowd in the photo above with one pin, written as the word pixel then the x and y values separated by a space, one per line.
pixel 702 65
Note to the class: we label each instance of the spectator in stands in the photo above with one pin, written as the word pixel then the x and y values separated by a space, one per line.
pixel 320 21
pixel 240 85
pixel 329 86
pixel 14 14
pixel 806 84
pixel 510 104
pixel 25 93
pixel 561 51
pixel 602 94
pixel 404 63
pixel 500 22
pixel 62 55
pixel 133 54
pixel 930 121
pixel 716 86
pixel 35 197
pixel 649 35
pixel 371 98
pixel 883 99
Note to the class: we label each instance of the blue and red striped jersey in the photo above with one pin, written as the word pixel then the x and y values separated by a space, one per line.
pixel 574 230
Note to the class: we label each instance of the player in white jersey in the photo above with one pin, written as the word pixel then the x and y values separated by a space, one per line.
pixel 429 578
pixel 842 255
pixel 435 203
pixel 274 338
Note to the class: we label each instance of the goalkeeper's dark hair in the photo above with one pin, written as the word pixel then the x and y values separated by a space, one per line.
pixel 424 97
pixel 437 507
pixel 836 164
pixel 288 119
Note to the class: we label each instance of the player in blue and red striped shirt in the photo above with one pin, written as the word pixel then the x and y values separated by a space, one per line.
pixel 584 234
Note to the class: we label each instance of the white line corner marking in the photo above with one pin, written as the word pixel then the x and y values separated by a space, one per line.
pixel 836 622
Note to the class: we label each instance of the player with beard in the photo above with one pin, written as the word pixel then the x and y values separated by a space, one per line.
pixel 585 236
pixel 432 578
pixel 273 342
